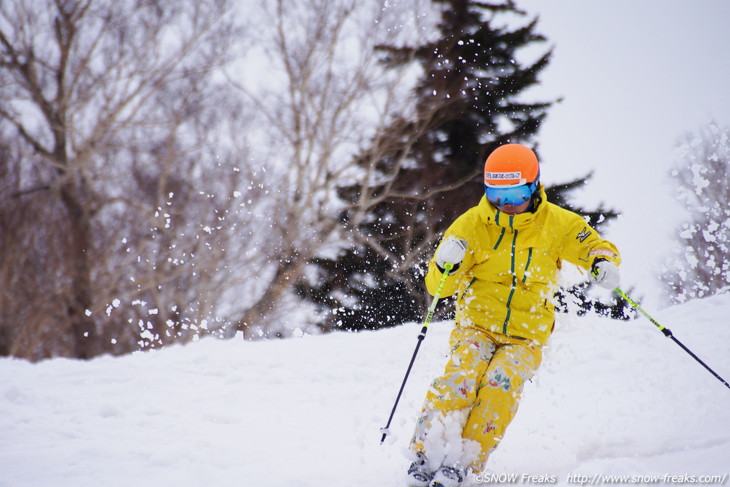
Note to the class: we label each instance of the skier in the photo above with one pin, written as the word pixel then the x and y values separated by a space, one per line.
pixel 506 253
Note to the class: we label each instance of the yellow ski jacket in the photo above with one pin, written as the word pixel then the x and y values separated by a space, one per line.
pixel 507 281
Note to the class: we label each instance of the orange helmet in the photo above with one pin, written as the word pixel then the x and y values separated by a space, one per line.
pixel 511 165
pixel 511 175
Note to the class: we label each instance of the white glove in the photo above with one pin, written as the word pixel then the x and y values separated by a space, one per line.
pixel 451 251
pixel 605 274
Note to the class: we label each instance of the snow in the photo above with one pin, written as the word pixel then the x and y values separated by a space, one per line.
pixel 611 398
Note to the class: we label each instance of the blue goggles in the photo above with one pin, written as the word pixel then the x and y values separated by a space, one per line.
pixel 510 195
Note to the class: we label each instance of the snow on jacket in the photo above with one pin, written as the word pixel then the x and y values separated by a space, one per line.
pixel 508 279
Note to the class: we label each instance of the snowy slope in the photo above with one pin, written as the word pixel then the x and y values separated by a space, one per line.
pixel 610 398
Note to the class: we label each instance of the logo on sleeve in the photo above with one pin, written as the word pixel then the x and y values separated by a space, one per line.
pixel 584 234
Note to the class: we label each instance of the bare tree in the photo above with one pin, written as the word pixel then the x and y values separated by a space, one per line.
pixel 117 172
pixel 328 97
pixel 144 203
pixel 700 264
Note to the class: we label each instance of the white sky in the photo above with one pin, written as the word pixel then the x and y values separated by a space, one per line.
pixel 635 76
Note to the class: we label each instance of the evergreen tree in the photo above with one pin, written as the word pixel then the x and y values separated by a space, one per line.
pixel 429 167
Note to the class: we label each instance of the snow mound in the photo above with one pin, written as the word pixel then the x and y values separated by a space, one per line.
pixel 611 398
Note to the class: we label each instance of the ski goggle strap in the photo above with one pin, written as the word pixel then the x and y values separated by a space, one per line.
pixel 510 195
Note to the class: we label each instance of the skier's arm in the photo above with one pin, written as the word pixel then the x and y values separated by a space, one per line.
pixel 457 243
pixel 584 246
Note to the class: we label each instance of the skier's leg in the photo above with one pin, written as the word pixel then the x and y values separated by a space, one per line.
pixel 500 389
pixel 456 389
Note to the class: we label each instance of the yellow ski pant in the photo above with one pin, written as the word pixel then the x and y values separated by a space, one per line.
pixel 481 387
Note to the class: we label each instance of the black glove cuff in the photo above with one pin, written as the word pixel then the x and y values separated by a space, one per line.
pixel 453 269
pixel 597 260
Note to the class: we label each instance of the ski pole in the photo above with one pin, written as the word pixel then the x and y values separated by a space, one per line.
pixel 668 333
pixel 447 268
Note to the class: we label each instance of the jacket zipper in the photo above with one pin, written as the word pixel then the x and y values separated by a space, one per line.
pixel 461 296
pixel 499 240
pixel 529 258
pixel 514 281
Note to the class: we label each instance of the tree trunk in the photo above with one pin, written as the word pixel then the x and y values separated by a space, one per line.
pixel 286 274
pixel 79 297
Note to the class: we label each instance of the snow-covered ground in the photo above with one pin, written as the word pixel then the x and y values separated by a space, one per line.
pixel 612 398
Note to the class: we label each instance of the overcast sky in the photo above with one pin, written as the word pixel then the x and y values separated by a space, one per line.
pixel 635 75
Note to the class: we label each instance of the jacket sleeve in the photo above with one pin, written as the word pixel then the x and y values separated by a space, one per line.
pixel 583 245
pixel 461 228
